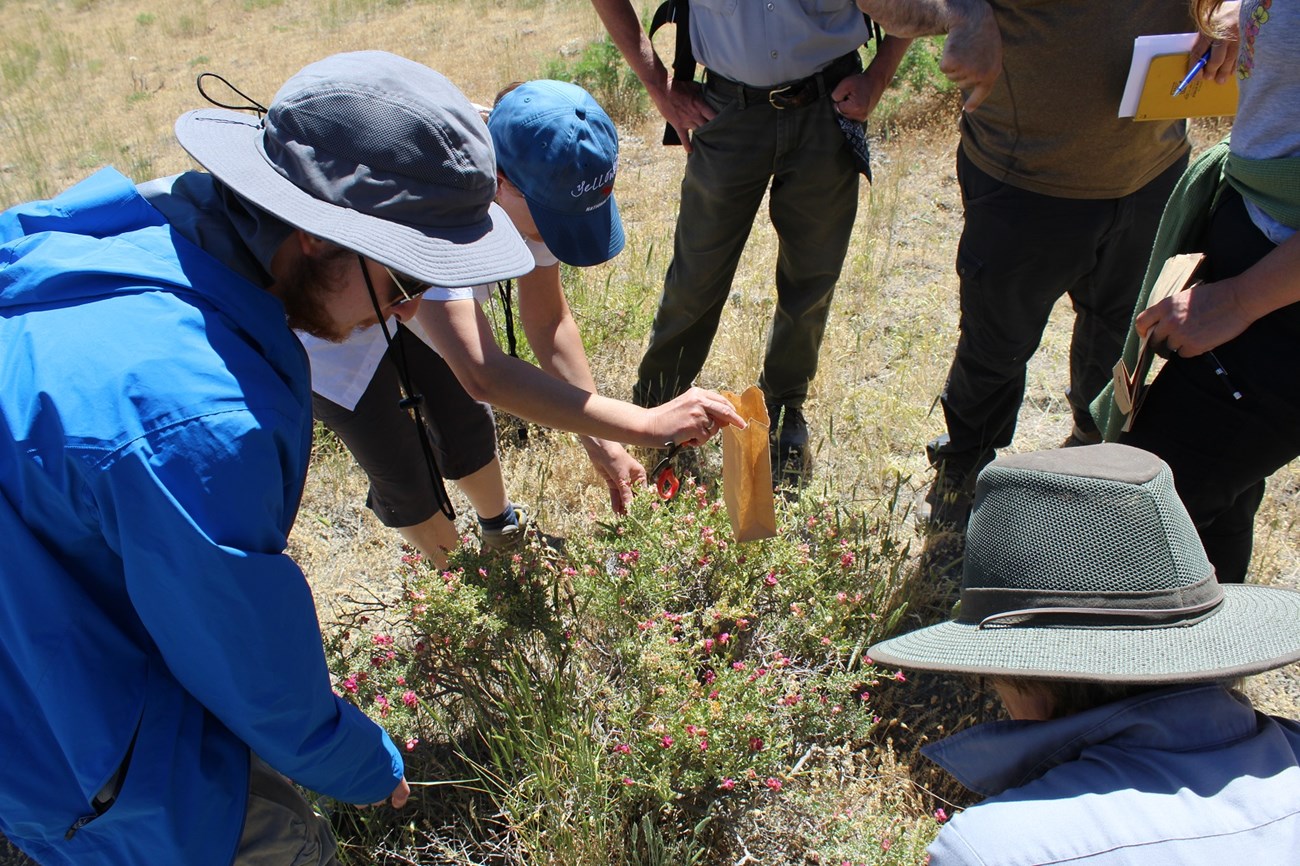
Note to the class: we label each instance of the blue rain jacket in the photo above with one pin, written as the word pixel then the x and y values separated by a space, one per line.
pixel 154 436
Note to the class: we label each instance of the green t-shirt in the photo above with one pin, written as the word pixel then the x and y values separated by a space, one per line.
pixel 1049 125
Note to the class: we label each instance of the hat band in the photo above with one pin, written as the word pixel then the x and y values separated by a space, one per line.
pixel 1000 607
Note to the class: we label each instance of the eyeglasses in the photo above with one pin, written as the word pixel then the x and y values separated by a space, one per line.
pixel 409 288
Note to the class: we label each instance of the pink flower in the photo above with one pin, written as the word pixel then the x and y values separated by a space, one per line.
pixel 382 640
pixel 940 815
pixel 412 743
pixel 623 749
pixel 666 741
pixel 708 644
pixel 756 744
pixel 409 698
pixel 709 677
pixel 847 560
pixel 770 580
pixel 898 676
pixel 628 781
pixel 401 681
pixel 885 844
pixel 350 684
pixel 774 784
pixel 727 784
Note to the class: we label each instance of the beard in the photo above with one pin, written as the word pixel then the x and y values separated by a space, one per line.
pixel 306 289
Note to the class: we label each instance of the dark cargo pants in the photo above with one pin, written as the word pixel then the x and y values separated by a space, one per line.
pixel 813 203
pixel 1019 253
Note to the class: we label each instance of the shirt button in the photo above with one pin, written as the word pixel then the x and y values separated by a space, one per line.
pixel 771 6
pixel 774 55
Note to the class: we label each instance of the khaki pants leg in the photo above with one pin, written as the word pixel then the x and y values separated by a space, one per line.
pixel 280 828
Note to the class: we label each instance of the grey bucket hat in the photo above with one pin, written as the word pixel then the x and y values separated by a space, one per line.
pixel 1082 564
pixel 378 154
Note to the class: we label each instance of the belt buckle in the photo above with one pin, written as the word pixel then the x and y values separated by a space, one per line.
pixel 775 95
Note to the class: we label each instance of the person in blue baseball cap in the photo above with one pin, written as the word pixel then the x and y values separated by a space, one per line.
pixel 561 151
pixel 556 159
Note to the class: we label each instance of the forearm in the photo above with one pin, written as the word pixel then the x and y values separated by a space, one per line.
pixel 1271 283
pixel 913 18
pixel 560 354
pixel 633 43
pixel 889 54
pixel 526 391
pixel 465 341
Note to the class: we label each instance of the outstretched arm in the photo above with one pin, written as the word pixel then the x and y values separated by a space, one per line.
pixel 552 332
pixel 680 102
pixel 972 53
pixel 461 334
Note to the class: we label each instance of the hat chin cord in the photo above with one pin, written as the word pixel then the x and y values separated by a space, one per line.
pixel 410 400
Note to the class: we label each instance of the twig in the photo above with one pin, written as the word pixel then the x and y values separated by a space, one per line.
pixel 799 763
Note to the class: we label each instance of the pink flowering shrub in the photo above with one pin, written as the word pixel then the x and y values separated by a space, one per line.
pixel 682 672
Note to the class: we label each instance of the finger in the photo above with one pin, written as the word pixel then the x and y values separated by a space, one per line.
pixel 977 96
pixel 622 495
pixel 400 795
pixel 684 134
pixel 722 412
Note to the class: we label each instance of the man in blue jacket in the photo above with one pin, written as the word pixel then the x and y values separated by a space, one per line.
pixel 160 654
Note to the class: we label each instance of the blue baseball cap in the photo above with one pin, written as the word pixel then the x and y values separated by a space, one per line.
pixel 559 147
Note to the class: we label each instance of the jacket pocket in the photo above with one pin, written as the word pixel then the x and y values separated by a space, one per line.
pixel 108 793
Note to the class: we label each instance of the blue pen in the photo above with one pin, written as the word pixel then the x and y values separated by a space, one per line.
pixel 1195 71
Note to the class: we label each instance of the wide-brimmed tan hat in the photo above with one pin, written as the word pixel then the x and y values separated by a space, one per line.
pixel 1082 564
pixel 377 153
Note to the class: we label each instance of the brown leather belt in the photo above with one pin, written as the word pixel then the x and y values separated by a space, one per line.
pixel 796 94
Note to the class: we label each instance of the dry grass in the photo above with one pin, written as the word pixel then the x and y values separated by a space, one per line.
pixel 94 82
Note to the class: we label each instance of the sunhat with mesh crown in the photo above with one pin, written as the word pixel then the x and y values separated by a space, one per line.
pixel 1082 564
pixel 378 154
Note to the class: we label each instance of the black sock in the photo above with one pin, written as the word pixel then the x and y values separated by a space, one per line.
pixel 502 520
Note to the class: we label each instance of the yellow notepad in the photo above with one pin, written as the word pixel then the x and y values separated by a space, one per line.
pixel 1201 98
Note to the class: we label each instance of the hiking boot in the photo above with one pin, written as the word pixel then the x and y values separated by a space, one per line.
pixel 947 504
pixel 509 537
pixel 788 440
pixel 1079 436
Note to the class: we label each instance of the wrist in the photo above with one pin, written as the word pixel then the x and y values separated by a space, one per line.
pixel 968 15
pixel 1243 303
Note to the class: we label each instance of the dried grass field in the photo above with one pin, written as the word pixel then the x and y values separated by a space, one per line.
pixel 85 83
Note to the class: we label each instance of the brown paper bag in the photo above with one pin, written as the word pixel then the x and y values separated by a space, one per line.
pixel 747 469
